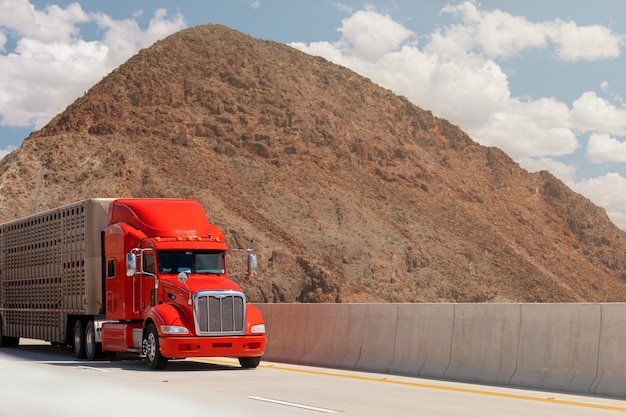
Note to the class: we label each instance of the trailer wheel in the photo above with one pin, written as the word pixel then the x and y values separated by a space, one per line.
pixel 93 350
pixel 250 363
pixel 6 341
pixel 154 359
pixel 78 341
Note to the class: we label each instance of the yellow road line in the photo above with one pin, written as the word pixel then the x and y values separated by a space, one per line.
pixel 442 387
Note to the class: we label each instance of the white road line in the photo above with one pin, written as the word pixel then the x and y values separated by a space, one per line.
pixel 73 363
pixel 91 368
pixel 306 407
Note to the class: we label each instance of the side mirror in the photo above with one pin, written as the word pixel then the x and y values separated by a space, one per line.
pixel 182 277
pixel 252 265
pixel 131 265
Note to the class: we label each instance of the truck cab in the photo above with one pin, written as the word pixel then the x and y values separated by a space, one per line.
pixel 167 288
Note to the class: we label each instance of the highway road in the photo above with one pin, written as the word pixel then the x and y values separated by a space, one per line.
pixel 41 380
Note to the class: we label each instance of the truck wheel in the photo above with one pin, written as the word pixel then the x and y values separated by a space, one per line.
pixel 250 363
pixel 78 341
pixel 154 359
pixel 93 350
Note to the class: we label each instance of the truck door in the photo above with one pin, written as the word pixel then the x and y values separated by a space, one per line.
pixel 139 267
pixel 148 281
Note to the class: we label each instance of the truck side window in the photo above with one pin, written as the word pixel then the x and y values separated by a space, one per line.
pixel 148 263
pixel 110 268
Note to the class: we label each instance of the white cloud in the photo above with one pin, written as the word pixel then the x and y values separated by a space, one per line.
pixel 526 129
pixel 51 65
pixel 361 36
pixel 575 43
pixel 592 113
pixel 604 148
pixel 499 34
pixel 40 79
pixel 609 192
pixel 255 4
pixel 53 24
pixel 123 38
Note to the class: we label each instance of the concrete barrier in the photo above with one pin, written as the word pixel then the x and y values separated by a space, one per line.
pixel 286 331
pixel 327 335
pixel 611 370
pixel 423 340
pixel 485 340
pixel 568 347
pixel 378 325
pixel 355 333
pixel 559 345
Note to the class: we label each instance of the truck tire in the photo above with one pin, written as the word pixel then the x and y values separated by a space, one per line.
pixel 6 341
pixel 250 363
pixel 154 359
pixel 78 340
pixel 93 350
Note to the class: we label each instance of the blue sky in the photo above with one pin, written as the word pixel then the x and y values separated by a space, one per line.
pixel 541 79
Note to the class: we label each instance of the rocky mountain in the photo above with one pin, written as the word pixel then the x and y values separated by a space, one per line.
pixel 347 192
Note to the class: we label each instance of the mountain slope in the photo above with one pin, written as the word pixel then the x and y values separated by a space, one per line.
pixel 347 192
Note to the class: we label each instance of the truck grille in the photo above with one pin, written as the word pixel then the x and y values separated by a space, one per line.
pixel 220 313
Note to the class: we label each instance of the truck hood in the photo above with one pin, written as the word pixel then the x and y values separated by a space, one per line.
pixel 199 282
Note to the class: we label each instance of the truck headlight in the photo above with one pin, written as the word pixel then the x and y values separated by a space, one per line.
pixel 174 330
pixel 257 328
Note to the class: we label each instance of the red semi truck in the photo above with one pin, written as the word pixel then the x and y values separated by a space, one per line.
pixel 146 276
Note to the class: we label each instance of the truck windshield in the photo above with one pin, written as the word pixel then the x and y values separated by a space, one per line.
pixel 173 262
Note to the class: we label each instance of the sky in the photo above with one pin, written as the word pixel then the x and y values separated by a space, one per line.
pixel 543 80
